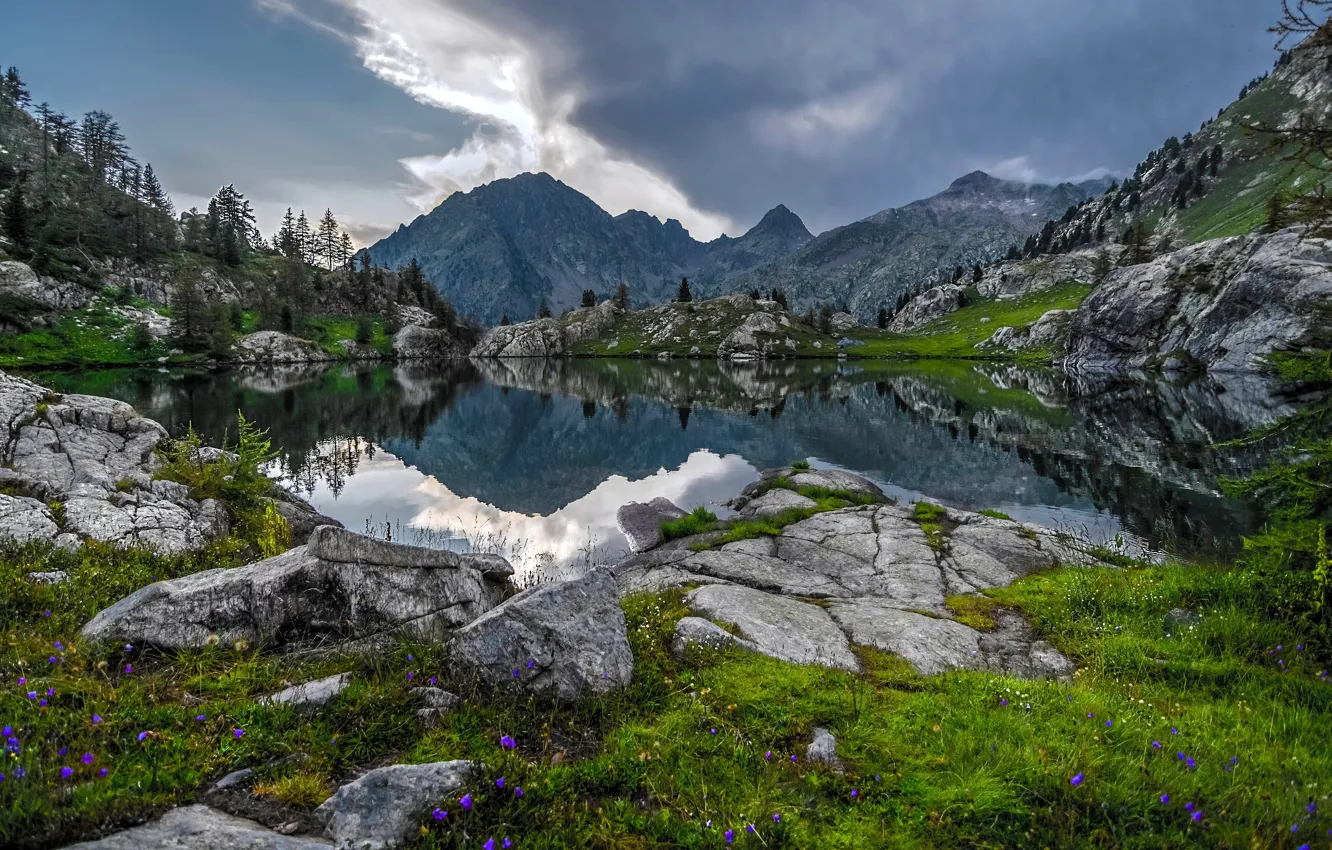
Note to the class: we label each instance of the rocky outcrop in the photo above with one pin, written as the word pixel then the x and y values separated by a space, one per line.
pixel 641 523
pixel 340 588
pixel 1217 306
pixel 789 479
pixel 1013 279
pixel 756 337
pixel 540 338
pixel 1048 333
pixel 417 343
pixel 385 807
pixel 264 347
pixel 201 828
pixel 928 306
pixel 548 337
pixel 881 578
pixel 18 281
pixel 567 639
pixel 95 458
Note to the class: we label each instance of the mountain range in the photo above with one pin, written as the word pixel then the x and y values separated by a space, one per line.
pixel 501 248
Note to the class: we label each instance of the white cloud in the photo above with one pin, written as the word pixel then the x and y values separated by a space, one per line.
pixel 825 124
pixel 443 58
pixel 1020 170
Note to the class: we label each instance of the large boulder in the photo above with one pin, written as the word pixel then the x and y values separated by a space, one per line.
pixel 755 337
pixel 19 281
pixel 201 828
pixel 538 338
pixel 1219 306
pixel 417 343
pixel 264 347
pixel 928 306
pixel 1014 279
pixel 385 807
pixel 341 588
pixel 641 522
pixel 567 639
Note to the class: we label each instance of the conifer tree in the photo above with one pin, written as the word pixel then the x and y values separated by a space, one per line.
pixel 153 194
pixel 16 215
pixel 882 319
pixel 285 240
pixel 543 310
pixel 504 320
pixel 977 274
pixel 305 241
pixel 345 249
pixel 622 296
pixel 589 298
pixel 684 296
pixel 327 243
pixel 1276 213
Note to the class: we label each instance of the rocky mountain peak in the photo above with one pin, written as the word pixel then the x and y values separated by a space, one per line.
pixel 976 181
pixel 781 222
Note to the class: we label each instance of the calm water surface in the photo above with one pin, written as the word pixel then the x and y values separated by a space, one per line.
pixel 532 458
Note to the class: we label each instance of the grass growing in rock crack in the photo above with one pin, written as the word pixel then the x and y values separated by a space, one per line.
pixel 697 747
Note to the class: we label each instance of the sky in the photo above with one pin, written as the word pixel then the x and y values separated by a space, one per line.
pixel 708 112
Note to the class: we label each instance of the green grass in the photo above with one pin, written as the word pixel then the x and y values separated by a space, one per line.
pixel 993 514
pixel 699 521
pixel 934 762
pixel 91 336
pixel 328 331
pixel 957 334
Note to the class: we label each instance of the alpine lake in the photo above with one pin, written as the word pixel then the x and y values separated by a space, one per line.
pixel 531 458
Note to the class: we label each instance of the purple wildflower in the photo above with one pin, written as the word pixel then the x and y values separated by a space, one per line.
pixel 712 731
pixel 1174 731
pixel 199 718
pixel 19 773
pixel 507 842
pixel 1076 780
pixel 1188 807
pixel 1197 816
pixel 1004 702
pixel 507 743
pixel 499 783
pixel 1165 798
pixel 410 674
pixel 23 680
pixel 129 668
pixel 439 814
pixel 129 647
pixel 518 791
pixel 1193 765
pixel 1295 827
pixel 62 751
pixel 1311 808
pixel 88 758
pixel 409 657
pixel 793 757
pixel 489 845
pixel 97 718
pixel 32 695
pixel 66 772
pixel 238 732
pixel 432 680
pixel 855 792
pixel 776 818
pixel 142 735
pixel 730 836
pixel 42 702
pixel 1180 755
pixel 531 662
pixel 7 731
pixel 515 672
pixel 51 659
pixel 101 774
pixel 768 755
pixel 466 802
pixel 1090 715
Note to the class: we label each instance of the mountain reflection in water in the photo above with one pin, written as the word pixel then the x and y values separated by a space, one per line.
pixel 532 457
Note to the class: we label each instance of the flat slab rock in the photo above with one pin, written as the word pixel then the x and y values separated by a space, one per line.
pixel 201 828
pixel 385 807
pixel 879 582
pixel 339 588
pixel 309 695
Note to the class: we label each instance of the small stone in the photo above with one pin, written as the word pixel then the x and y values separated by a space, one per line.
pixel 435 697
pixel 54 577
pixel 823 749
pixel 384 807
pixel 309 695
pixel 236 777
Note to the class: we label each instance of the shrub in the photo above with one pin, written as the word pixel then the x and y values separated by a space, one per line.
pixel 699 521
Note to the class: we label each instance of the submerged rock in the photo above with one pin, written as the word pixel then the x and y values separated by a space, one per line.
pixel 201 828
pixel 568 639
pixel 385 807
pixel 340 587
pixel 641 523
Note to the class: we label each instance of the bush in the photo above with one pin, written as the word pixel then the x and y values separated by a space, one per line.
pixel 365 331
pixel 699 521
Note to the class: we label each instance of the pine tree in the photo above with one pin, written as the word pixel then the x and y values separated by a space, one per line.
pixel 780 298
pixel 1276 213
pixel 365 331
pixel 1139 244
pixel 189 315
pixel 326 239
pixel 589 298
pixel 957 273
pixel 622 296
pixel 977 274
pixel 305 242
pixel 543 310
pixel 882 320
pixel 825 319
pixel 287 319
pixel 14 90
pixel 684 296
pixel 153 193
pixel 504 320
pixel 16 215
pixel 285 240
pixel 345 249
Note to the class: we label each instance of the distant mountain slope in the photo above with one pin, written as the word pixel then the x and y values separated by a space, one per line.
pixel 501 248
pixel 868 263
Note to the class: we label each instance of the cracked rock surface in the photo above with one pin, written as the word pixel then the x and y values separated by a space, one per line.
pixel 340 588
pixel 865 575
pixel 95 458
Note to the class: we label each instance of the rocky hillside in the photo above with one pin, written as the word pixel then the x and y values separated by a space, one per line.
pixel 503 247
pixel 869 263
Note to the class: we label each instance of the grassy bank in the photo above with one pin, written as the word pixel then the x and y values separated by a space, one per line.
pixel 1236 703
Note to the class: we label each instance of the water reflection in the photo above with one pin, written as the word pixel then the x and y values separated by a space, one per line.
pixel 533 457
